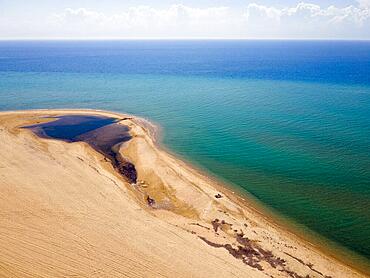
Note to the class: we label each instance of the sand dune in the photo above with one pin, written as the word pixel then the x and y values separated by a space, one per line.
pixel 66 212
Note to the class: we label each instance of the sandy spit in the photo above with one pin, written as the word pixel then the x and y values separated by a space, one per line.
pixel 66 212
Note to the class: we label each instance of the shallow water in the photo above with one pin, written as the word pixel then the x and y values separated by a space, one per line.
pixel 104 134
pixel 286 121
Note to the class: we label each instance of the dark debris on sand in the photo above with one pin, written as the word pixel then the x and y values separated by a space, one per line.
pixel 251 253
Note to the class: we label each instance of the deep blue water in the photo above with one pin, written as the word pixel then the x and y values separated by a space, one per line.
pixel 318 61
pixel 286 121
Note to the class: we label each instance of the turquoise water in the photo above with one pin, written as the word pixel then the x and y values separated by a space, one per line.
pixel 287 122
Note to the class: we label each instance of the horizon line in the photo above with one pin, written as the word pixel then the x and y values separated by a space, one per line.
pixel 172 39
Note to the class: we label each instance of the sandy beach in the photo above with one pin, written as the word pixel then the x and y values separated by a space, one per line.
pixel 67 211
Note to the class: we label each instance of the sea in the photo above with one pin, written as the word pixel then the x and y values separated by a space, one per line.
pixel 285 122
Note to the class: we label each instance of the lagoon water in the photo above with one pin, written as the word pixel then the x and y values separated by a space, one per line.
pixel 286 121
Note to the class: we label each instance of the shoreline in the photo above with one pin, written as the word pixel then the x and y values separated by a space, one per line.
pixel 272 216
pixel 266 216
pixel 308 236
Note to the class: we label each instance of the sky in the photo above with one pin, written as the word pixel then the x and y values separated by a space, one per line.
pixel 170 19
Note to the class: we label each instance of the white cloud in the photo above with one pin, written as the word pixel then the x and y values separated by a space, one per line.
pixel 310 20
pixel 306 12
pixel 147 21
pixel 301 20
pixel 364 3
pixel 259 11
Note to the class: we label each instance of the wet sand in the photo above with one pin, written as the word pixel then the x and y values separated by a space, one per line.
pixel 68 208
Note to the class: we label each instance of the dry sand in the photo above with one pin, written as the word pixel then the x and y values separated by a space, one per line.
pixel 65 212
